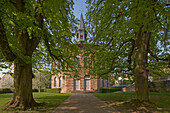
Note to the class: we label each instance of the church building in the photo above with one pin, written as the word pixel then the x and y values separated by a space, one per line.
pixel 84 82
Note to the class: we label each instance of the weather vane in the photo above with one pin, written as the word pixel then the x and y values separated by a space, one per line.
pixel 81 9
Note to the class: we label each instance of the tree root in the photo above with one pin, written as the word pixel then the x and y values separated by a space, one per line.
pixel 13 103
pixel 138 103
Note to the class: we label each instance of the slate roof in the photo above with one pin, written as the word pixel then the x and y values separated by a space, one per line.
pixel 81 23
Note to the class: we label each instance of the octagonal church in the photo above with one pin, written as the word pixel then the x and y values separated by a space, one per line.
pixel 84 82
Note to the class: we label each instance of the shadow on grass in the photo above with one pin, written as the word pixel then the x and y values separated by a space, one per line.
pixel 47 102
pixel 125 102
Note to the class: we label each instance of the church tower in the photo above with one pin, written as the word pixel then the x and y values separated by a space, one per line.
pixel 81 32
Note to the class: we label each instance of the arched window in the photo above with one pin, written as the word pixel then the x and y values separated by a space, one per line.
pixel 55 82
pixel 61 82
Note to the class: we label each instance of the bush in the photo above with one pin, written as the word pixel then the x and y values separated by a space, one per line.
pixel 109 90
pixel 5 90
pixel 34 90
pixel 42 90
pixel 37 90
pixel 54 90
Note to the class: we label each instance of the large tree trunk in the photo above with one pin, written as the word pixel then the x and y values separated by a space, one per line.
pixel 22 95
pixel 141 72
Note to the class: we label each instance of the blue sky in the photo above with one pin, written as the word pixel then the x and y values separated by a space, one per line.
pixel 77 8
pixel 78 4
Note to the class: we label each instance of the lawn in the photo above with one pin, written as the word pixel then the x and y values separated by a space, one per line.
pixel 49 101
pixel 160 102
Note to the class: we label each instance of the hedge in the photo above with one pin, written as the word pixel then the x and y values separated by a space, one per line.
pixel 54 90
pixel 37 90
pixel 109 90
pixel 5 90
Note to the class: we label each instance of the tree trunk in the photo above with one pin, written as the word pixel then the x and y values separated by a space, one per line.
pixel 141 72
pixel 22 95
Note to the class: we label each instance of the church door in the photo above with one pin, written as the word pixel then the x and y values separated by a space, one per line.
pixel 86 83
pixel 76 84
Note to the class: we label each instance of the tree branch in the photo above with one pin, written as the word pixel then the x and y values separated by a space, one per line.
pixel 157 58
pixel 4 45
pixel 35 40
pixel 130 54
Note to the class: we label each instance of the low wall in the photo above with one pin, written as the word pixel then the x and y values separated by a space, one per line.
pixel 156 86
pixel 160 86
pixel 130 87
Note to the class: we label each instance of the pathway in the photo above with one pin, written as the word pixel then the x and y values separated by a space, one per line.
pixel 83 103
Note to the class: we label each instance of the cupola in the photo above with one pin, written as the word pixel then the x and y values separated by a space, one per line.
pixel 81 32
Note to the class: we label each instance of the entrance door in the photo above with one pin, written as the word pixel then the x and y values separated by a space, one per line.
pixel 76 84
pixel 87 84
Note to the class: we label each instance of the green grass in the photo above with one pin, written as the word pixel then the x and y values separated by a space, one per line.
pixel 160 102
pixel 49 101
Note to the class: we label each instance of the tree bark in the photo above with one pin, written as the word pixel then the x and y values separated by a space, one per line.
pixel 22 95
pixel 141 72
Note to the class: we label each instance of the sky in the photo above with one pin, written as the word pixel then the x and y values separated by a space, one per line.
pixel 78 5
pixel 77 8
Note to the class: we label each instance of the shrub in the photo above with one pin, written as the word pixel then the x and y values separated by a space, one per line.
pixel 109 90
pixel 54 90
pixel 34 90
pixel 5 90
pixel 37 90
pixel 42 90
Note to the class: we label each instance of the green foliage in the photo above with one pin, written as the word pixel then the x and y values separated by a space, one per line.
pixel 42 78
pixel 113 27
pixel 36 90
pixel 127 82
pixel 109 90
pixel 54 90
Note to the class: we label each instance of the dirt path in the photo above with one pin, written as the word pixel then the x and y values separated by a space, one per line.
pixel 83 103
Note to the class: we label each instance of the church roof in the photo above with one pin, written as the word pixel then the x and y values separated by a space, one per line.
pixel 81 23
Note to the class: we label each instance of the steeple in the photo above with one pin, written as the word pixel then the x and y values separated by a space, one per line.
pixel 81 23
pixel 81 32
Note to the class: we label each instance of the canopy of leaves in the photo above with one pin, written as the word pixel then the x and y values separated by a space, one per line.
pixel 54 35
pixel 113 26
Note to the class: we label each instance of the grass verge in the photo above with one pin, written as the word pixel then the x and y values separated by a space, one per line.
pixel 49 101
pixel 121 102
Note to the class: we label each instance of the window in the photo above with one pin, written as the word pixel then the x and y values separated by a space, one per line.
pixel 55 82
pixel 76 61
pixel 77 83
pixel 86 82
pixel 86 61
pixel 101 83
pixel 106 83
pixel 61 81
pixel 77 35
